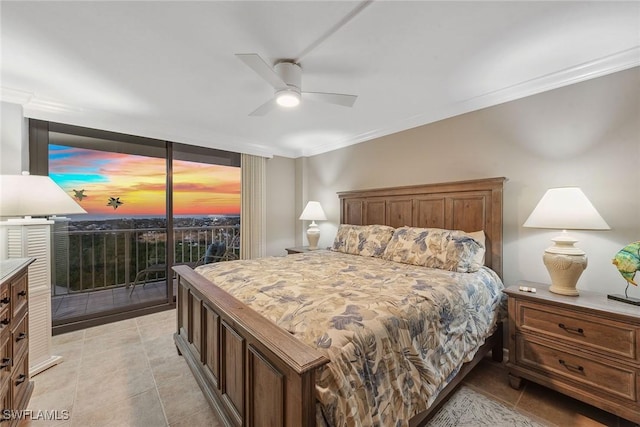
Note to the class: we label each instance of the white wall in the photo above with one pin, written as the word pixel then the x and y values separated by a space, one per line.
pixel 14 146
pixel 587 135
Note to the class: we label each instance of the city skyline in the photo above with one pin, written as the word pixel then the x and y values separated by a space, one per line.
pixel 119 185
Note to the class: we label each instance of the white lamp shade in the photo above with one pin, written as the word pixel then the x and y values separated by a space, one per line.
pixel 566 208
pixel 313 212
pixel 34 195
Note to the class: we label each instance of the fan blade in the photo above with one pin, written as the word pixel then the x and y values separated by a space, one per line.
pixel 264 108
pixel 264 70
pixel 331 98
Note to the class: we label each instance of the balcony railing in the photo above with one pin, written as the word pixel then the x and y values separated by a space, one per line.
pixel 85 261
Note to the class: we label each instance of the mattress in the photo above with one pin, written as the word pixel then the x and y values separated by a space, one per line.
pixel 395 334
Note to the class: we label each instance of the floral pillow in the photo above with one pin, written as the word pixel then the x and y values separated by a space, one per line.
pixel 479 237
pixel 363 240
pixel 451 250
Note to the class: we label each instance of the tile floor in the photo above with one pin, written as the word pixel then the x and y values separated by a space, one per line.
pixel 129 374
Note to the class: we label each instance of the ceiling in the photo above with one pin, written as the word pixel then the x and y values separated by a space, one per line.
pixel 168 70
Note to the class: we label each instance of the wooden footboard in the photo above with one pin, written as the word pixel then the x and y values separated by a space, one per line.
pixel 251 371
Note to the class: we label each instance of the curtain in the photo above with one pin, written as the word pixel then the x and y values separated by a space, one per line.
pixel 253 207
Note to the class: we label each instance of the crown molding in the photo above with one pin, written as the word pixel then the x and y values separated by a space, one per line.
pixel 589 70
pixel 32 103
pixel 610 64
pixel 15 96
pixel 64 113
pixel 51 106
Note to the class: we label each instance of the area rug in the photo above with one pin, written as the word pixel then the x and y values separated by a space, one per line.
pixel 467 408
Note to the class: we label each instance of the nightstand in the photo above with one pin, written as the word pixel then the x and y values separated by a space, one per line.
pixel 587 347
pixel 298 250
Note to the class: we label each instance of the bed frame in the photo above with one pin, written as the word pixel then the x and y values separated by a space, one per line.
pixel 254 373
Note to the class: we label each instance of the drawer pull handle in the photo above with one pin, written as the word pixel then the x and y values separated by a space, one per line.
pixel 571 330
pixel 572 367
pixel 5 300
pixel 21 378
pixel 6 362
pixel 22 293
pixel 6 321
pixel 21 336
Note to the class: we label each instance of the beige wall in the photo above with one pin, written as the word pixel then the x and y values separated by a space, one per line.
pixel 281 214
pixel 587 135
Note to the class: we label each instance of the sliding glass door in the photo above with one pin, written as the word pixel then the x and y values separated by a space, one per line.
pixel 107 261
pixel 206 200
pixel 115 261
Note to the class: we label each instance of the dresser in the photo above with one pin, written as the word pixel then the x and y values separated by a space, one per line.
pixel 587 347
pixel 15 387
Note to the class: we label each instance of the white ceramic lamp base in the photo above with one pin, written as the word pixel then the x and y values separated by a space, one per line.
pixel 565 264
pixel 313 235
pixel 565 270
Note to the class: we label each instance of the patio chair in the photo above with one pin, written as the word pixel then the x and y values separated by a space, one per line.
pixel 216 251
pixel 232 250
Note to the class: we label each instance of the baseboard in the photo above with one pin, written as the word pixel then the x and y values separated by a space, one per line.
pixel 46 364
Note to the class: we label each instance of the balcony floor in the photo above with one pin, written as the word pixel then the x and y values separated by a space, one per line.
pixel 91 302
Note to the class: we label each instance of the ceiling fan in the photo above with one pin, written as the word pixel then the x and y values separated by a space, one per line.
pixel 286 79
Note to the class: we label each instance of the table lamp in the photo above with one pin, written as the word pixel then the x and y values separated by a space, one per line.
pixel 565 208
pixel 23 197
pixel 313 212
pixel 34 195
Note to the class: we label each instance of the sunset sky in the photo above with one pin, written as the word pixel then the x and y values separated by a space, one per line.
pixel 139 183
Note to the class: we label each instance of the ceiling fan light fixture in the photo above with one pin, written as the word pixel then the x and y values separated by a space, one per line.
pixel 288 98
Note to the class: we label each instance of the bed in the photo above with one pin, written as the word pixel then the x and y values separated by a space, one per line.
pixel 263 357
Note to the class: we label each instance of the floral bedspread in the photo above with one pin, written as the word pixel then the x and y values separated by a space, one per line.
pixel 395 333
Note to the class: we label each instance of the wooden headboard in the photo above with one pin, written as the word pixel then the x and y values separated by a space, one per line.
pixel 464 205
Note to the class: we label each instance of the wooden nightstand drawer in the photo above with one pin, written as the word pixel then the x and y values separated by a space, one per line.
pixel 592 373
pixel 601 335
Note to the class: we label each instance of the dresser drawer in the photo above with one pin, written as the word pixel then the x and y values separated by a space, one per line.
pixel 5 296
pixel 5 357
pixel 20 380
pixel 590 332
pixel 590 373
pixel 5 400
pixel 5 319
pixel 5 308
pixel 19 338
pixel 19 296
